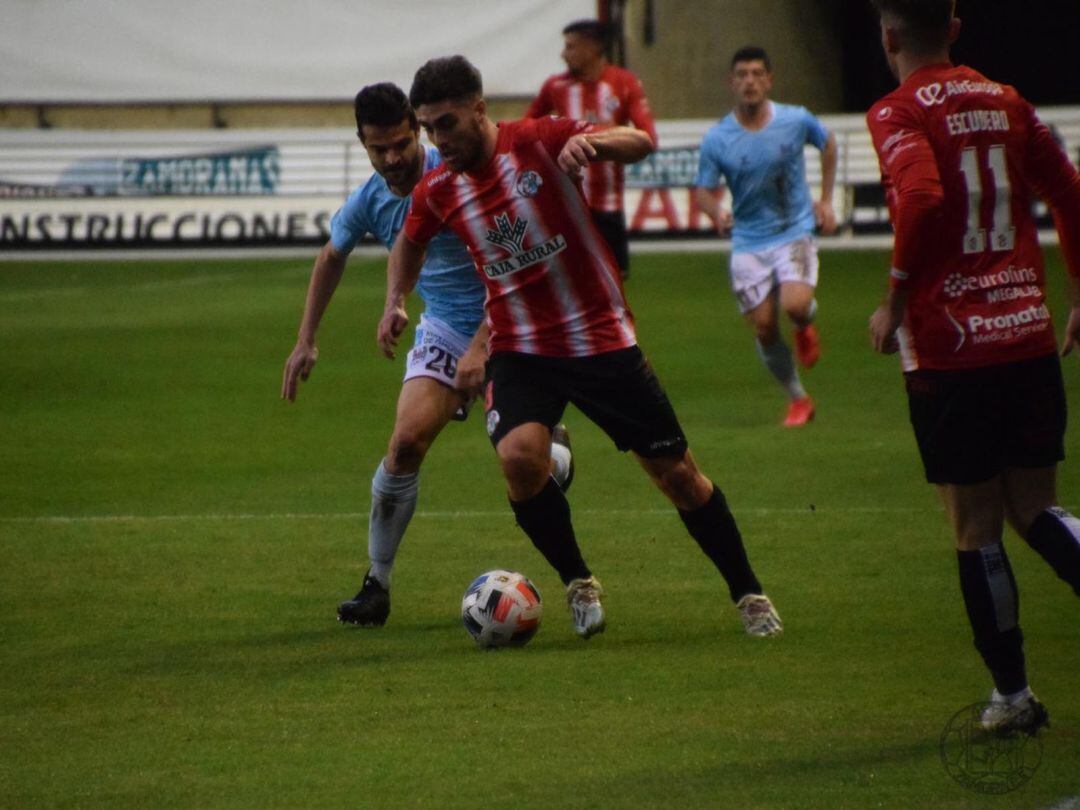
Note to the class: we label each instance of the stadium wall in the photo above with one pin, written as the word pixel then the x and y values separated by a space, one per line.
pixel 682 52
pixel 242 188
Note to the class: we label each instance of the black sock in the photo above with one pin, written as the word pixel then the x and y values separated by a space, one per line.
pixel 545 517
pixel 713 526
pixel 1055 534
pixel 993 608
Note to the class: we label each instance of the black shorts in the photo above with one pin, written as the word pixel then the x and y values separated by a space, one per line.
pixel 612 226
pixel 617 390
pixel 971 424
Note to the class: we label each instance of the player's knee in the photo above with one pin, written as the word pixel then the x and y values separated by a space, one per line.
pixel 766 332
pixel 524 465
pixel 684 485
pixel 1022 515
pixel 798 312
pixel 406 452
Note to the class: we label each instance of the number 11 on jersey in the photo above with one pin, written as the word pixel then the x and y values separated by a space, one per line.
pixel 1002 232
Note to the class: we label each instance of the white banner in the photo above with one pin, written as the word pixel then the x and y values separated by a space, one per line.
pixel 246 187
pixel 159 50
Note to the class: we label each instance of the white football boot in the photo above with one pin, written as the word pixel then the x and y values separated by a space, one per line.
pixel 759 617
pixel 1023 713
pixel 583 599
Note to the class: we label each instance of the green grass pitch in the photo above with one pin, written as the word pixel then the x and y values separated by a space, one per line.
pixel 175 539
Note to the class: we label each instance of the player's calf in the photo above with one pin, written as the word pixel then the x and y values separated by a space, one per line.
pixel 1055 535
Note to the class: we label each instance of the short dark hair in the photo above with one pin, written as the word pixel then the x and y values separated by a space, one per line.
pixel 447 78
pixel 751 53
pixel 923 24
pixel 593 29
pixel 382 105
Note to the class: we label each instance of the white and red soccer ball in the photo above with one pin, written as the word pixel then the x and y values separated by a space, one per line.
pixel 501 609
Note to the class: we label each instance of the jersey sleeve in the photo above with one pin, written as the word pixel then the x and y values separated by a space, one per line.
pixel 816 132
pixel 543 104
pixel 910 174
pixel 1056 180
pixel 422 223
pixel 349 223
pixel 708 173
pixel 555 132
pixel 638 109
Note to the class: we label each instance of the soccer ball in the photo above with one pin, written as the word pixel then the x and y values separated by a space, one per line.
pixel 501 609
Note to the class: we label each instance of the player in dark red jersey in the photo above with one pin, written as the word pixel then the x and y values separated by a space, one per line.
pixel 961 157
pixel 560 330
pixel 596 91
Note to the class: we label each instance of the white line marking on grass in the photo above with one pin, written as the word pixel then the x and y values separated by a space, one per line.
pixel 457 514
pixel 1071 803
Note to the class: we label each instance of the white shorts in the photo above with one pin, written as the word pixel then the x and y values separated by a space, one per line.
pixel 755 275
pixel 436 350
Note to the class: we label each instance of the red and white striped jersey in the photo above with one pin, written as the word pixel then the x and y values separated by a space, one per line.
pixel 553 287
pixel 616 98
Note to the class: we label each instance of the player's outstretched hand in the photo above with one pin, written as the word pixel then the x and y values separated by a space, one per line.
pixel 883 326
pixel 469 378
pixel 825 217
pixel 298 368
pixel 1072 332
pixel 576 155
pixel 391 326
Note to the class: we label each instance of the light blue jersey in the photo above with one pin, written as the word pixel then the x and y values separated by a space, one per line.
pixel 449 284
pixel 766 174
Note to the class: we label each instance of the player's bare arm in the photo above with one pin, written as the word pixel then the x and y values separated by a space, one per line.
pixel 823 208
pixel 470 369
pixel 1072 325
pixel 402 271
pixel 886 320
pixel 329 267
pixel 709 201
pixel 619 144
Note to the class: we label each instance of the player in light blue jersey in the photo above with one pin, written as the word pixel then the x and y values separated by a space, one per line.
pixel 453 295
pixel 758 149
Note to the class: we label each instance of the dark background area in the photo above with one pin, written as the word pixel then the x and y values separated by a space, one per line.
pixel 1032 45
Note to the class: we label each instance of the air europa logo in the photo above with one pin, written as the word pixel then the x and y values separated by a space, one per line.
pixel 930 94
pixel 935 93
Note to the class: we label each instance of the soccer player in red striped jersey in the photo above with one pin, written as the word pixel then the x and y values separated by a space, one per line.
pixel 961 158
pixel 596 91
pixel 558 328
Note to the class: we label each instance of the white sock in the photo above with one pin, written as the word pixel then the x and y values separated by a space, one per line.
pixel 560 458
pixel 1016 697
pixel 393 500
pixel 778 360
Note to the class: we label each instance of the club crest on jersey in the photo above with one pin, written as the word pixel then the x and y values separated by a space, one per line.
pixel 492 422
pixel 511 238
pixel 528 184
